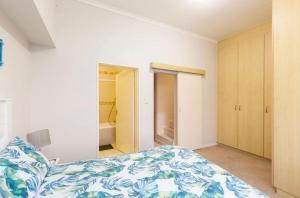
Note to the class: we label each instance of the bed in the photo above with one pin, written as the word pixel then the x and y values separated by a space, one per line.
pixel 166 171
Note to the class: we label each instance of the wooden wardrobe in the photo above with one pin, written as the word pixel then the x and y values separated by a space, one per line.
pixel 244 91
pixel 286 161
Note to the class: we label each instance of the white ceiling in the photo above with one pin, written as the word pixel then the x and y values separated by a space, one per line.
pixel 214 19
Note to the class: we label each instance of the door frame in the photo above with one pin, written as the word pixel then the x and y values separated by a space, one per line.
pixel 136 102
pixel 174 73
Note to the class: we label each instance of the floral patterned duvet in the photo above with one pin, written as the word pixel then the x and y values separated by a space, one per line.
pixel 166 171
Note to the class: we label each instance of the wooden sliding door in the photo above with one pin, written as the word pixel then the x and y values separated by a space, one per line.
pixel 189 110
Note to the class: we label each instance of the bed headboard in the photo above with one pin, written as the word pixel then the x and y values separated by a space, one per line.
pixel 5 122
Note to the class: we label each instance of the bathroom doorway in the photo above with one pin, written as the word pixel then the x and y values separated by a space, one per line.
pixel 117 98
pixel 165 108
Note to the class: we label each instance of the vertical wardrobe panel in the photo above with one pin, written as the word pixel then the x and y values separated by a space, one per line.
pixel 189 107
pixel 268 106
pixel 286 42
pixel 251 93
pixel 227 92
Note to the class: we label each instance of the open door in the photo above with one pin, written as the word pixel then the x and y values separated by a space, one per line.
pixel 164 108
pixel 189 110
pixel 125 100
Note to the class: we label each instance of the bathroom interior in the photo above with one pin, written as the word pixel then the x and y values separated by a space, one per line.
pixel 165 108
pixel 116 110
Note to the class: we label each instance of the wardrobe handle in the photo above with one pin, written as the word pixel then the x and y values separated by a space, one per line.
pixel 235 107
pixel 267 109
pixel 240 108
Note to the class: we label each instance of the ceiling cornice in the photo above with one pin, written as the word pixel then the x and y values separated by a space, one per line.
pixel 144 19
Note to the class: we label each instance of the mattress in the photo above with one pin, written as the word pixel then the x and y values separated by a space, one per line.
pixel 166 171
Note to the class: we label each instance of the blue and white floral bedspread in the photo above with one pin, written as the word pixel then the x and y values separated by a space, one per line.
pixel 165 171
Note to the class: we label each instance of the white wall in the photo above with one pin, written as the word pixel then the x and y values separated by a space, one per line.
pixel 15 76
pixel 64 80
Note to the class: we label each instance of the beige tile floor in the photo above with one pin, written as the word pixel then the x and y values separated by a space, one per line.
pixel 252 169
pixel 110 152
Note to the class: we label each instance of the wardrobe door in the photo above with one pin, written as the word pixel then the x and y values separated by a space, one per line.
pixel 227 92
pixel 251 93
pixel 268 110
